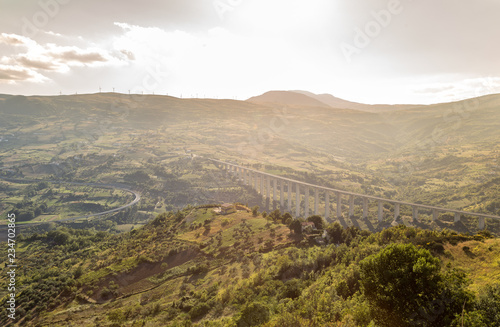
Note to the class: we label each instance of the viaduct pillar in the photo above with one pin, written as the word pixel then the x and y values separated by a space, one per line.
pixel 481 223
pixel 327 205
pixel 396 211
pixel 415 213
pixel 351 205
pixel 365 208
pixel 380 211
pixel 289 196
pixel 316 200
pixel 275 186
pixel 339 205
pixel 297 200
pixel 282 195
pixel 306 200
pixel 268 191
pixel 434 214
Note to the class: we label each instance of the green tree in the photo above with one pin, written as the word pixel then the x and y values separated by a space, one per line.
pixel 470 319
pixel 317 220
pixel 275 215
pixel 404 287
pixel 255 211
pixel 287 319
pixel 291 289
pixel 335 232
pixel 287 218
pixel 488 305
pixel 296 226
pixel 253 314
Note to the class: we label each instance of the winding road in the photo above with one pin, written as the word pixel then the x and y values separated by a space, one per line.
pixel 137 198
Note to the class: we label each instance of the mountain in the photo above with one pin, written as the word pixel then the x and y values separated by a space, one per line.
pixel 443 154
pixel 288 98
pixel 305 98
pixel 341 103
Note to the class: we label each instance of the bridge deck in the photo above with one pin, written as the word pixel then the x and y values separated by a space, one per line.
pixel 371 197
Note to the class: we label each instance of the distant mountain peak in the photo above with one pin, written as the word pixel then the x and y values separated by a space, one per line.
pixel 290 98
pixel 309 99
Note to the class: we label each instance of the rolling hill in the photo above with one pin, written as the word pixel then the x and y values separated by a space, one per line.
pixel 444 154
pixel 296 98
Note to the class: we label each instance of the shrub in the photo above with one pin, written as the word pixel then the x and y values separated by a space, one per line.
pixel 404 286
pixel 199 310
pixel 253 314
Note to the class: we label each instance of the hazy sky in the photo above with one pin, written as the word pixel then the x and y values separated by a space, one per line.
pixel 371 51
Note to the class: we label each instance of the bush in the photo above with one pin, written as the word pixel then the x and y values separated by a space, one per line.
pixel 199 310
pixel 291 289
pixel 318 221
pixel 253 314
pixel 489 305
pixel 404 286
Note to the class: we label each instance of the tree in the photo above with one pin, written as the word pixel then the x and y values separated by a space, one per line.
pixel 335 232
pixel 275 215
pixel 296 226
pixel 78 272
pixel 138 177
pixel 287 218
pixel 317 220
pixel 253 314
pixel 404 286
pixel 255 211
pixel 291 289
pixel 489 305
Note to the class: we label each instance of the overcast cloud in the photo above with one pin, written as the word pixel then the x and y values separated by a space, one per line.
pixel 380 51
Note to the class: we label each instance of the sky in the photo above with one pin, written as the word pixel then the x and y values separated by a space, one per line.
pixel 377 51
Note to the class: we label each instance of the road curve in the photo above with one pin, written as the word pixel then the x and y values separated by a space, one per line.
pixel 137 198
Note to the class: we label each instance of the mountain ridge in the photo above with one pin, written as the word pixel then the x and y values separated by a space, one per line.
pixel 306 98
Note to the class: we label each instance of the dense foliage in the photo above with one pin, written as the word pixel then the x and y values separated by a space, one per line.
pixel 190 276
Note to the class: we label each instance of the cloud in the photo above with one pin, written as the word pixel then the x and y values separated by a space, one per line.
pixel 13 39
pixel 455 89
pixel 54 33
pixel 435 89
pixel 13 74
pixel 129 54
pixel 78 55
pixel 29 58
pixel 37 64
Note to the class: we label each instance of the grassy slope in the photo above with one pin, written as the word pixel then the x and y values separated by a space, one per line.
pixel 141 276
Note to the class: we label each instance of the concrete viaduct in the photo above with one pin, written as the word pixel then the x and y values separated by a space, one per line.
pixel 269 186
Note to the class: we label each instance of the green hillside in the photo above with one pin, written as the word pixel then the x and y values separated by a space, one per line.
pixel 197 268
